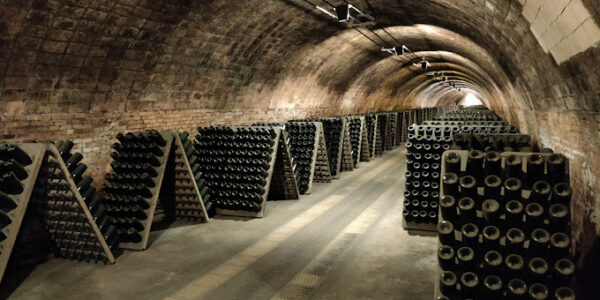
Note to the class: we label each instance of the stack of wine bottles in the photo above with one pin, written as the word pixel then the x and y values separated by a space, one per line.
pixel 302 141
pixel 333 129
pixel 18 172
pixel 492 142
pixel 236 162
pixel 506 226
pixel 133 186
pixel 371 126
pixel 188 204
pixel 13 161
pixel 355 125
pixel 423 157
pixel 71 230
pixel 381 133
pixel 390 141
pixel 463 115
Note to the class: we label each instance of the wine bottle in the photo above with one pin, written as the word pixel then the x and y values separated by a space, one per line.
pixel 517 289
pixel 470 235
pixel 564 293
pixel 446 258
pixel 14 166
pixel 8 151
pixel 491 238
pixel 492 288
pixel 446 233
pixel 78 173
pixel 540 239
pixel 10 184
pixel 72 162
pixel 514 240
pixel 537 270
pixel 469 285
pixel 7 203
pixel 538 291
pixel 448 284
pixel 466 259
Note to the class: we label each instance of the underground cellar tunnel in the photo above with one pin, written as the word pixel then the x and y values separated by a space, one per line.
pixel 142 139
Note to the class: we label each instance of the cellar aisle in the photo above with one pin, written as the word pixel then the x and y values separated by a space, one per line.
pixel 344 241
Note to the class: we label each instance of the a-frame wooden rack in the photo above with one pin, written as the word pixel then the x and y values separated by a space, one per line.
pixel 12 219
pixel 266 186
pixel 347 161
pixel 322 171
pixel 189 203
pixel 139 240
pixel 67 217
pixel 284 185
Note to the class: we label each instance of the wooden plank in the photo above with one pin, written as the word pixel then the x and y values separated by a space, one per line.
pixel 36 152
pixel 190 208
pixel 365 154
pixel 55 165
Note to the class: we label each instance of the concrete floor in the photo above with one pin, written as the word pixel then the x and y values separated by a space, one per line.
pixel 344 241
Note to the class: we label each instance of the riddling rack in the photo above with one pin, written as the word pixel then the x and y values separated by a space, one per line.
pixel 334 129
pixel 192 197
pixel 371 126
pixel 390 136
pixel 322 172
pixel 365 153
pixel 20 165
pixel 347 159
pixel 284 185
pixel 304 138
pixel 425 145
pixel 505 226
pixel 238 163
pixel 356 127
pixel 134 187
pixel 381 133
pixel 76 221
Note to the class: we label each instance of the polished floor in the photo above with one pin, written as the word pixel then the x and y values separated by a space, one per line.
pixel 344 241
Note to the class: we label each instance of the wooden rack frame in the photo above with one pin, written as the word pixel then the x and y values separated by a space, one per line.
pixel 347 161
pixel 263 204
pixel 283 184
pixel 189 205
pixel 55 167
pixel 36 152
pixel 158 180
pixel 322 171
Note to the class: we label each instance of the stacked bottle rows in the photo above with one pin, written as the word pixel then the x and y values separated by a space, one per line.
pixel 13 171
pixel 67 223
pixel 492 142
pixel 468 115
pixel 301 136
pixel 235 163
pixel 355 128
pixel 132 184
pixel 505 229
pixel 333 128
pixel 423 158
pixel 425 145
pixel 186 196
pixel 371 123
pixel 381 133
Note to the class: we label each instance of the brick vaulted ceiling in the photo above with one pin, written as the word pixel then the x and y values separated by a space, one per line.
pixel 87 69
